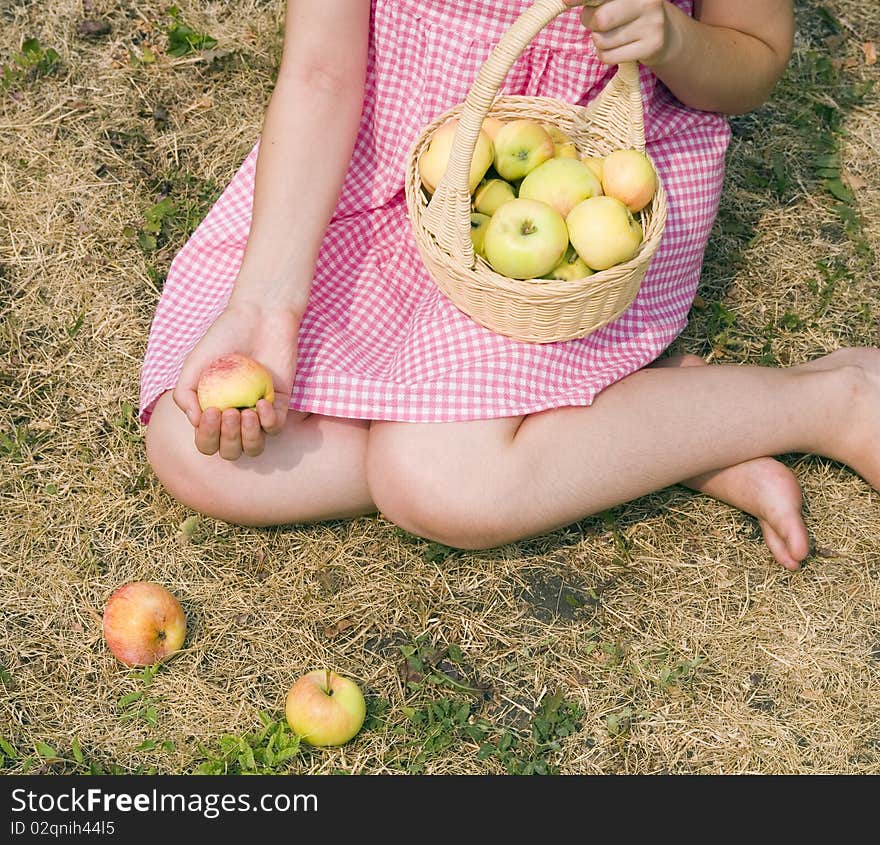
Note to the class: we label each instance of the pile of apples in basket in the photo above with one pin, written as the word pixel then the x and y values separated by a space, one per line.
pixel 541 210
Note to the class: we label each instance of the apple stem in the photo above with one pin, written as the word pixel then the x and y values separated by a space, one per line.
pixel 329 691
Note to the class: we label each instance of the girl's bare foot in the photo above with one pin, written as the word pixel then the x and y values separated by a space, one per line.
pixel 762 487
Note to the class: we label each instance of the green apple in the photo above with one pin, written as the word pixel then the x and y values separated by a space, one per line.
pixel 570 268
pixel 324 708
pixel 491 194
pixel 491 125
pixel 629 176
pixel 478 231
pixel 520 146
pixel 234 381
pixel 604 232
pixel 525 239
pixel 435 159
pixel 562 183
pixel 143 623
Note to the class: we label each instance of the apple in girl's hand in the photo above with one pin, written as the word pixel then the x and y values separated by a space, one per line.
pixel 525 239
pixel 561 183
pixel 629 176
pixel 478 231
pixel 604 232
pixel 143 623
pixel 435 159
pixel 234 381
pixel 520 146
pixel 491 194
pixel 324 708
pixel 570 268
pixel 595 163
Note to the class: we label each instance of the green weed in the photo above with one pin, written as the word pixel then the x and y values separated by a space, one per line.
pixel 31 62
pixel 270 750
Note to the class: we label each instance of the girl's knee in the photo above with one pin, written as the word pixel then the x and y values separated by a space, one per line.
pixel 440 499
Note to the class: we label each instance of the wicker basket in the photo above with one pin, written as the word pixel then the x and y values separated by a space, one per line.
pixel 534 310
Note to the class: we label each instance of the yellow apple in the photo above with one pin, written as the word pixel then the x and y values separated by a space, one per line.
pixel 525 239
pixel 629 176
pixel 323 708
pixel 435 159
pixel 478 231
pixel 566 150
pixel 562 183
pixel 604 232
pixel 143 623
pixel 563 145
pixel 491 125
pixel 234 381
pixel 492 193
pixel 520 146
pixel 595 163
pixel 570 268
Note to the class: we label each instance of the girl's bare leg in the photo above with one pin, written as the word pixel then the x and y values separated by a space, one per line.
pixel 315 469
pixel 762 487
pixel 485 483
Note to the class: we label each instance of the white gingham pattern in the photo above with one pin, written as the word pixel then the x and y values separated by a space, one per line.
pixel 379 341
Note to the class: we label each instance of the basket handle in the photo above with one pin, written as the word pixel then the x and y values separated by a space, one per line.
pixel 448 215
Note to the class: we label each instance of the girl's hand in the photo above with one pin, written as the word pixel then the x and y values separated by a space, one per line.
pixel 267 334
pixel 629 30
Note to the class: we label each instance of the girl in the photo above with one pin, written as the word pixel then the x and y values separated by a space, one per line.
pixel 387 397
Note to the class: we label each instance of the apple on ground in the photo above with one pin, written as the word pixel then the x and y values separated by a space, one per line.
pixel 234 381
pixel 324 708
pixel 143 623
pixel 604 232
pixel 525 239
pixel 478 231
pixel 629 176
pixel 520 146
pixel 595 163
pixel 435 159
pixel 561 183
pixel 491 194
pixel 570 268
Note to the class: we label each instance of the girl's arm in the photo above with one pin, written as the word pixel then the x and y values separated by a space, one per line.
pixel 306 144
pixel 727 58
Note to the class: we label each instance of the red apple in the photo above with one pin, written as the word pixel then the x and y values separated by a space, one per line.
pixel 234 381
pixel 143 623
pixel 324 708
pixel 629 176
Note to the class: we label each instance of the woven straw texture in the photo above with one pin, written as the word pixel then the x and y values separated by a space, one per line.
pixel 533 310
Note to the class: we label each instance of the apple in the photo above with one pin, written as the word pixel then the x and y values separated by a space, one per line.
pixel 629 176
pixel 525 239
pixel 595 163
pixel 143 623
pixel 324 708
pixel 520 146
pixel 563 145
pixel 435 159
pixel 234 381
pixel 478 231
pixel 570 268
pixel 604 232
pixel 561 183
pixel 491 194
pixel 491 125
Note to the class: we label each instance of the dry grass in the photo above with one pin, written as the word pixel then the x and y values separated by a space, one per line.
pixel 684 646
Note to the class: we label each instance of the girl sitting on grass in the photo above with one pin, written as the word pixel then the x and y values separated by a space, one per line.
pixel 386 396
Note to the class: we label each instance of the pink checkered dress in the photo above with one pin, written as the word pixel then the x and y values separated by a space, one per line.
pixel 379 340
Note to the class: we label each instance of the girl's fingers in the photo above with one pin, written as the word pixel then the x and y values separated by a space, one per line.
pixel 269 417
pixel 188 401
pixel 230 435
pixel 253 440
pixel 208 432
pixel 628 53
pixel 620 36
